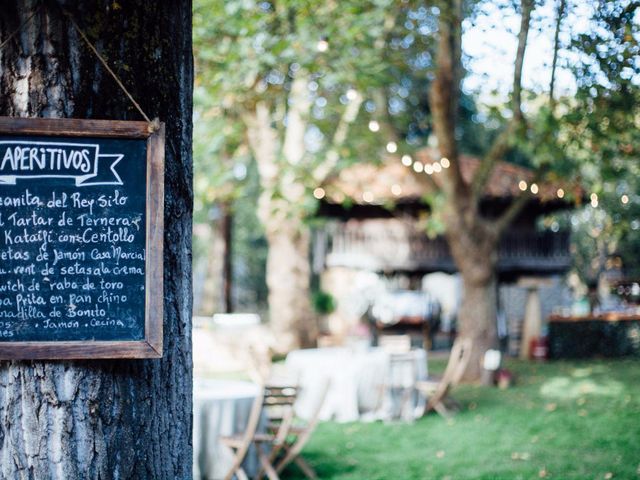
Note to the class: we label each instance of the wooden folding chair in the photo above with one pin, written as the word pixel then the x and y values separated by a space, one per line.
pixel 278 404
pixel 402 361
pixel 437 391
pixel 299 434
pixel 239 444
pixel 267 444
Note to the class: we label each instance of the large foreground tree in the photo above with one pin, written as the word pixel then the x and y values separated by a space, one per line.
pixel 126 419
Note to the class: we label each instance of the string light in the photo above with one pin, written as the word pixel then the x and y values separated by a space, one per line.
pixel 594 200
pixel 534 188
pixel 374 126
pixel 319 193
pixel 444 161
pixel 367 197
pixel 396 189
pixel 437 167
pixel 418 167
pixel 407 160
pixel 560 193
pixel 522 185
pixel 392 147
pixel 624 199
pixel 352 94
pixel 428 169
pixel 322 45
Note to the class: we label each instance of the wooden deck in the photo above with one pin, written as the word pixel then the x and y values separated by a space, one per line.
pixel 392 245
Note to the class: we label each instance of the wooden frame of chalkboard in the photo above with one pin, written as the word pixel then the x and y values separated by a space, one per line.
pixel 150 346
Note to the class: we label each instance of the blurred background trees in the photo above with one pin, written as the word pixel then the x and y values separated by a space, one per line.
pixel 288 93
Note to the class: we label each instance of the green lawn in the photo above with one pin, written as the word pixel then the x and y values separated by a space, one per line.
pixel 562 420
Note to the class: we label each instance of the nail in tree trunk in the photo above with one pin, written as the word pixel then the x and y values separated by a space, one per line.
pixel 125 419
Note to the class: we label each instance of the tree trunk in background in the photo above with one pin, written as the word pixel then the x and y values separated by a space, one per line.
pixel 281 213
pixel 477 320
pixel 210 299
pixel 288 279
pixel 125 419
pixel 227 270
pixel 474 249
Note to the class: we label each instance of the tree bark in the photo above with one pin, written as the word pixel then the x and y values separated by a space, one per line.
pixel 280 212
pixel 227 270
pixel 289 282
pixel 474 248
pixel 472 239
pixel 124 419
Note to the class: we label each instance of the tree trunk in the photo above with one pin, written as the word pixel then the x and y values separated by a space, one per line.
pixel 288 279
pixel 227 270
pixel 124 419
pixel 281 213
pixel 474 248
pixel 210 299
pixel 477 320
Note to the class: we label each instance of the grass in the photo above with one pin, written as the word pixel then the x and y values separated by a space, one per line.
pixel 562 420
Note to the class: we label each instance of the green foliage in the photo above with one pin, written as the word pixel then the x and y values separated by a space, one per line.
pixel 323 303
pixel 248 52
pixel 601 135
pixel 603 120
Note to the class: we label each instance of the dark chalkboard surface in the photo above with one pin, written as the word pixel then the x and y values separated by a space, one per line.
pixel 80 239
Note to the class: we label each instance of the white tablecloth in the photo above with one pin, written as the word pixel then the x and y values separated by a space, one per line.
pixel 220 407
pixel 357 380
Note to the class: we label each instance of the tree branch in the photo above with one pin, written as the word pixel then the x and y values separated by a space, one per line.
pixel 293 147
pixel 444 94
pixel 556 44
pixel 525 20
pixel 263 141
pixel 502 143
pixel 504 220
pixel 349 116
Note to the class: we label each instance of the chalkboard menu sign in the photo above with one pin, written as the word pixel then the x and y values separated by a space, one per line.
pixel 81 228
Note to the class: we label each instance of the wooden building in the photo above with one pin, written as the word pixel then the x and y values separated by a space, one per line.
pixel 376 222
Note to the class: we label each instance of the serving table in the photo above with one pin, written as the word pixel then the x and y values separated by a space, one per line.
pixel 606 335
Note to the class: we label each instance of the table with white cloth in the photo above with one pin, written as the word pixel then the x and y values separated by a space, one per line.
pixel 359 380
pixel 220 408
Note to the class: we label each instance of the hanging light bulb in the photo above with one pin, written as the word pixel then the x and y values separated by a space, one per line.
pixel 560 193
pixel 534 188
pixel 392 147
pixel 444 161
pixel 319 193
pixel 418 167
pixel 437 168
pixel 374 126
pixel 407 160
pixel 352 94
pixel 522 185
pixel 322 45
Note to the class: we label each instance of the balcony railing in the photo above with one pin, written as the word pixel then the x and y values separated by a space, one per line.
pixel 394 245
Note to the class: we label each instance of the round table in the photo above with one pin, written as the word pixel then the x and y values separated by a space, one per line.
pixel 220 408
pixel 356 380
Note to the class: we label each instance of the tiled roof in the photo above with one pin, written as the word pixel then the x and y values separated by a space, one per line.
pixel 392 181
